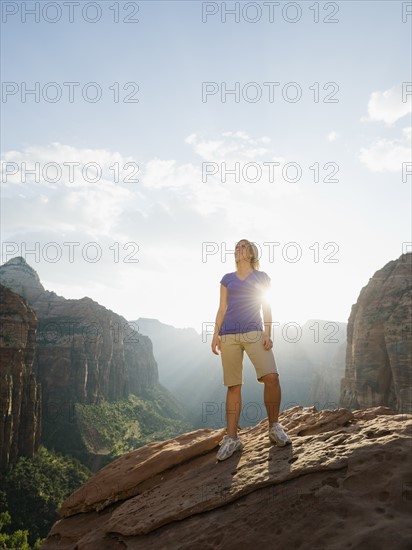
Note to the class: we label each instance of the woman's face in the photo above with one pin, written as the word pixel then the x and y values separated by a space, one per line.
pixel 243 251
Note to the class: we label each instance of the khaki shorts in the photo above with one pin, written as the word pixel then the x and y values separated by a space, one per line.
pixel 232 347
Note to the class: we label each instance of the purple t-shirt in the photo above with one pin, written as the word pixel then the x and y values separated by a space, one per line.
pixel 244 300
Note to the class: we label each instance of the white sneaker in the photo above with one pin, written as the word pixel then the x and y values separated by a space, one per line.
pixel 228 446
pixel 278 436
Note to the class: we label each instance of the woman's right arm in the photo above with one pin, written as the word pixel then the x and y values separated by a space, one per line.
pixel 219 318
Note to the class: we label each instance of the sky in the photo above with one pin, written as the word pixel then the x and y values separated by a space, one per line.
pixel 141 140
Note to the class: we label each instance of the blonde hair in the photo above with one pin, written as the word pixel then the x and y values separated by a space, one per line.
pixel 254 260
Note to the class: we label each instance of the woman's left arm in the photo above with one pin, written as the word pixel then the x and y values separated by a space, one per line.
pixel 267 313
pixel 267 323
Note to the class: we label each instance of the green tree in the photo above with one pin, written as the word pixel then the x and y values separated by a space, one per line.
pixel 35 488
pixel 14 541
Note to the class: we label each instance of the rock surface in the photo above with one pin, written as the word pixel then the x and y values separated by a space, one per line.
pixel 20 394
pixel 84 352
pixel 345 482
pixel 379 341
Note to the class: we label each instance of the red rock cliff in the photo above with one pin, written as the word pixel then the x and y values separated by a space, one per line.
pixel 20 396
pixel 85 353
pixel 379 341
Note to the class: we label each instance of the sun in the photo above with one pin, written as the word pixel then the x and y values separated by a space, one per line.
pixel 265 294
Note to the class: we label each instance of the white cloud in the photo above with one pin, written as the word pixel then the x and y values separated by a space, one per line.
pixel 58 165
pixel 159 174
pixel 407 132
pixel 387 155
pixel 190 139
pixel 76 200
pixel 333 136
pixel 123 210
pixel 233 146
pixel 390 105
pixel 240 134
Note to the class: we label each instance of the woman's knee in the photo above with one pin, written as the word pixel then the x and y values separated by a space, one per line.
pixel 271 378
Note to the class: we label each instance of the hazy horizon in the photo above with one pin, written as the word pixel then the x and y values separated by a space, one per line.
pixel 207 328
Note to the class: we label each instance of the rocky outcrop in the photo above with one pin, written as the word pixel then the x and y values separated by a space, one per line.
pixel 85 353
pixel 20 395
pixel 346 473
pixel 379 341
pixel 23 279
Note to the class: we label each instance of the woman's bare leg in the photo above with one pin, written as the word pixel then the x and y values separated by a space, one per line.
pixel 272 396
pixel 233 407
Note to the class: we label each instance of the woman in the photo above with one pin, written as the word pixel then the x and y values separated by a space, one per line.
pixel 239 328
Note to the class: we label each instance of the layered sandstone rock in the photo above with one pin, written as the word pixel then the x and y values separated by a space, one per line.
pixel 20 395
pixel 379 341
pixel 344 482
pixel 85 353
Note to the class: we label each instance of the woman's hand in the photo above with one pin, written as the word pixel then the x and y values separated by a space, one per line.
pixel 267 342
pixel 216 343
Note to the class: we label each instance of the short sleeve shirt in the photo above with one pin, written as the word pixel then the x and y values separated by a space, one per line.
pixel 244 301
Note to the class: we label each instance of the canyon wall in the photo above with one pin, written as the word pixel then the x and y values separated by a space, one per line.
pixel 20 393
pixel 84 352
pixel 378 368
pixel 76 351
